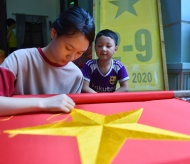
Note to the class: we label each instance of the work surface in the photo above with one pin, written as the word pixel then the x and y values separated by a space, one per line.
pixel 158 110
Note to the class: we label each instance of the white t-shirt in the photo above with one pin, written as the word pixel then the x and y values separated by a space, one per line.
pixel 28 71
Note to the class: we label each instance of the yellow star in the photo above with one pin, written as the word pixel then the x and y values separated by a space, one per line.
pixel 100 137
pixel 125 5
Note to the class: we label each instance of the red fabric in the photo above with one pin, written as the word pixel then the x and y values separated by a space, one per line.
pixel 169 113
pixel 86 98
pixel 6 82
pixel 120 97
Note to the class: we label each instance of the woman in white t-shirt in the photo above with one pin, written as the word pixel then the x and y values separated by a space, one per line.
pixel 48 70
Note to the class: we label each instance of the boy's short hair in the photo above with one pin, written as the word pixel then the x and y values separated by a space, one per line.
pixel 107 33
pixel 10 21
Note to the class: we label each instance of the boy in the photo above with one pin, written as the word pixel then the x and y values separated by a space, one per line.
pixel 102 74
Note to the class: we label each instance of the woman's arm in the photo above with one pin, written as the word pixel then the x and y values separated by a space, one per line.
pixel 12 106
pixel 9 31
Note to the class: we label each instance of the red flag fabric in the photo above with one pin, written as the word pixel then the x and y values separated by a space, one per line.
pixel 161 110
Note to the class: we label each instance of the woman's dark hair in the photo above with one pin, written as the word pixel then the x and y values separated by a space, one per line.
pixel 75 19
pixel 107 33
pixel 10 22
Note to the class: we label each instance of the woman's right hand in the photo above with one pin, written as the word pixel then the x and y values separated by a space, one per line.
pixel 60 102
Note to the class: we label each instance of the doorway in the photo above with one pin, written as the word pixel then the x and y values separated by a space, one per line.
pixel 33 35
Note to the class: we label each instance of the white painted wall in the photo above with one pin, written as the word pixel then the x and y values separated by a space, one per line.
pixel 87 5
pixel 176 23
pixel 48 8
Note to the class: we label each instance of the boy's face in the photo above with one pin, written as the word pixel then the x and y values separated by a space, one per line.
pixel 105 47
pixel 67 48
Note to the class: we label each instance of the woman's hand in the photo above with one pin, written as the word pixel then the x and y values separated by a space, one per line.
pixel 60 102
